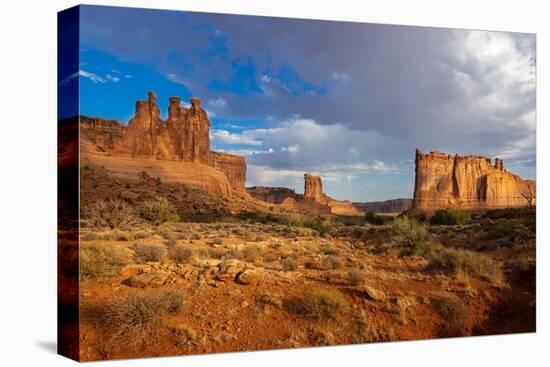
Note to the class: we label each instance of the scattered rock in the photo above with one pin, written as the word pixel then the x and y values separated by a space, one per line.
pixel 373 294
pixel 153 279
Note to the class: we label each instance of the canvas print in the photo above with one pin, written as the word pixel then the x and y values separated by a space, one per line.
pixel 241 183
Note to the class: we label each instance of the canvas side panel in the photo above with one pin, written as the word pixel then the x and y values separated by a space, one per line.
pixel 67 183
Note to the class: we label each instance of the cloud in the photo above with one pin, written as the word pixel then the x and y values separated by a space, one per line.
pixel 93 77
pixel 111 78
pixel 217 103
pixel 225 137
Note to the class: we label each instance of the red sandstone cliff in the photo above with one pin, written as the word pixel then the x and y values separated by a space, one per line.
pixel 183 136
pixel 469 182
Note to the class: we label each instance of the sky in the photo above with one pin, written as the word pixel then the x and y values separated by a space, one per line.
pixel 348 101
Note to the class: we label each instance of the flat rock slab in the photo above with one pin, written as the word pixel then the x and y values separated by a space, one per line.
pixel 153 279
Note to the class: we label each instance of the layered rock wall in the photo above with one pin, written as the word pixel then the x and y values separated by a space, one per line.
pixel 466 182
pixel 274 195
pixel 233 166
pixel 104 133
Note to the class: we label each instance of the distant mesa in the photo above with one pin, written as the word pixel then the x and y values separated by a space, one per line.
pixel 467 182
pixel 387 206
pixel 313 200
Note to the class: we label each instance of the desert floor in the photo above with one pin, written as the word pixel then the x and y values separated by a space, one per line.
pixel 243 282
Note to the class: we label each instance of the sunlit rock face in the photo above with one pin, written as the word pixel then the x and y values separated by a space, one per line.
pixel 466 182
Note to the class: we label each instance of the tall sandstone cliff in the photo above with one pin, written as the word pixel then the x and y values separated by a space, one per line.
pixel 183 136
pixel 466 182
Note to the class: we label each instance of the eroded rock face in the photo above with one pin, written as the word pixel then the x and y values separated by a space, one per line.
pixel 313 189
pixel 183 136
pixel 469 182
pixel 343 207
pixel 274 195
pixel 233 166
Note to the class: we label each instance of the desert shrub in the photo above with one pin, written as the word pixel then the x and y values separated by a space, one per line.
pixel 112 213
pixel 148 252
pixel 185 337
pixel 322 305
pixel 141 313
pixel 101 260
pixel 269 258
pixel 327 250
pixel 449 217
pixel 158 211
pixel 379 220
pixel 409 229
pixel 289 264
pixel 474 264
pixel 418 248
pixel 355 276
pixel 450 309
pixel 180 254
pixel 164 232
pixel 331 262
pixel 250 252
pixel 500 229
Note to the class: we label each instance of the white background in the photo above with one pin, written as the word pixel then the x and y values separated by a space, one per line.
pixel 28 182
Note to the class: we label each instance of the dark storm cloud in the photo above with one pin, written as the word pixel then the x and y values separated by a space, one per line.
pixel 432 88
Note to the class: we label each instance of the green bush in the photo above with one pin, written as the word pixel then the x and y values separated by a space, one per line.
pixel 101 260
pixel 449 217
pixel 379 220
pixel 409 229
pixel 321 305
pixel 158 211
pixel 112 213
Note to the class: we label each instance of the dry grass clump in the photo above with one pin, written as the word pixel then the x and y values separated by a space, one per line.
pixel 158 211
pixel 289 264
pixel 327 250
pixel 186 337
pixel 450 309
pixel 331 262
pixel 101 260
pixel 250 253
pixel 321 305
pixel 138 316
pixel 148 252
pixel 474 264
pixel 111 213
pixel 355 276
pixel 180 254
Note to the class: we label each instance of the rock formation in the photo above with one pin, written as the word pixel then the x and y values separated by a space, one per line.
pixel 469 182
pixel 233 166
pixel 342 207
pixel 274 195
pixel 313 189
pixel 387 206
pixel 183 136
pixel 313 200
